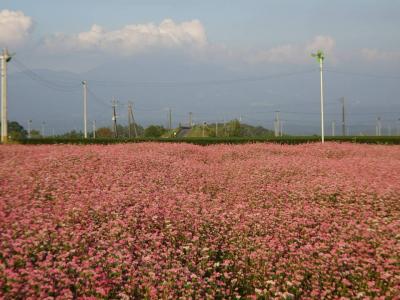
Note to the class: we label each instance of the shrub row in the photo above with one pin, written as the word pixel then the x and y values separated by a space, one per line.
pixel 394 140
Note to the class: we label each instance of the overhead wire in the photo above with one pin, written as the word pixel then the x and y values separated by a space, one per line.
pixel 97 98
pixel 72 86
pixel 361 74
pixel 199 82
pixel 51 84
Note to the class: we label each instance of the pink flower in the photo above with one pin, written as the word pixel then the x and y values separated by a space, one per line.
pixel 183 221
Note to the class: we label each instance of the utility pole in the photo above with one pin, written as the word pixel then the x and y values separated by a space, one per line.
pixel 114 118
pixel 343 118
pixel 131 120
pixel 224 127
pixel 29 128
pixel 398 127
pixel 378 126
pixel 170 120
pixel 134 122
pixel 43 123
pixel 204 125
pixel 84 83
pixel 216 129
pixel 5 58
pixel 190 119
pixel 94 129
pixel 333 128
pixel 280 128
pixel 277 125
pixel 320 57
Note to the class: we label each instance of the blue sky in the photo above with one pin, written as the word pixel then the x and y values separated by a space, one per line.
pixel 356 23
pixel 197 40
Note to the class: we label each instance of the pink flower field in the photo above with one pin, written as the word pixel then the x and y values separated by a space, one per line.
pixel 182 221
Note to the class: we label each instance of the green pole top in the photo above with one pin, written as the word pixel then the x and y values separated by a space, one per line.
pixel 319 55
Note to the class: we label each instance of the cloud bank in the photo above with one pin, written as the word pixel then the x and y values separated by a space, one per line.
pixel 15 28
pixel 190 36
pixel 379 55
pixel 295 53
pixel 131 39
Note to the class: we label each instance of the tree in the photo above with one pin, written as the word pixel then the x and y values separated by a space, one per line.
pixel 154 131
pixel 104 132
pixel 73 134
pixel 16 131
pixel 35 134
pixel 234 128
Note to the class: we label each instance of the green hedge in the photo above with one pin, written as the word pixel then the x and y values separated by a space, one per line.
pixel 394 140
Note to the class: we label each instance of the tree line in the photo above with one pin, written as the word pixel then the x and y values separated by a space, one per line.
pixel 233 128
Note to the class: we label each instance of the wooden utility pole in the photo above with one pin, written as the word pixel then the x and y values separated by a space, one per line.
pixel 131 121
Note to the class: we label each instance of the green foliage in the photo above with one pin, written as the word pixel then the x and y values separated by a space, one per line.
pixel 234 129
pixel 255 131
pixel 73 135
pixel 35 134
pixel 104 132
pixel 154 131
pixel 16 131
pixel 231 129
pixel 197 131
pixel 393 140
pixel 123 131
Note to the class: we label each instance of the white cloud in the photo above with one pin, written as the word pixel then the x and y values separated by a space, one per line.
pixel 132 38
pixel 15 27
pixel 378 55
pixel 295 53
pixel 280 54
pixel 321 42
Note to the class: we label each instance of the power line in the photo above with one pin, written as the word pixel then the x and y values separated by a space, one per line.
pixel 363 74
pixel 199 82
pixel 71 82
pixel 63 87
pixel 97 98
